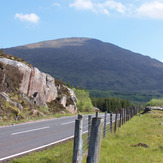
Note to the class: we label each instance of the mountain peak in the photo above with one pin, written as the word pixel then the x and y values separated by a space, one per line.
pixel 58 43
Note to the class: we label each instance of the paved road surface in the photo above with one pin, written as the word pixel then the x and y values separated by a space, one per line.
pixel 24 138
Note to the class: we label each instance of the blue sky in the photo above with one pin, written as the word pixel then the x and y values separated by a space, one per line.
pixel 136 25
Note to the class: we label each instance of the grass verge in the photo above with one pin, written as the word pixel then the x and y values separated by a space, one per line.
pixel 34 119
pixel 120 147
pixel 115 148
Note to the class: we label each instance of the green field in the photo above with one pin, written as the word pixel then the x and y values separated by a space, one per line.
pixel 115 148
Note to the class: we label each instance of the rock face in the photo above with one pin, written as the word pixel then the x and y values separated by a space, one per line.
pixel 38 85
pixel 35 83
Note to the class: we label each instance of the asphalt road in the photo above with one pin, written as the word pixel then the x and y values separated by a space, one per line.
pixel 20 139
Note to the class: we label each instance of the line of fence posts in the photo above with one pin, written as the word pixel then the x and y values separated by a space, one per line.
pixel 95 126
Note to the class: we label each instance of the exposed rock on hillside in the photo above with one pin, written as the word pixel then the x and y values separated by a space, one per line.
pixel 34 86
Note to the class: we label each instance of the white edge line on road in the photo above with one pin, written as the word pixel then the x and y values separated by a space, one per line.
pixel 22 132
pixel 34 149
pixel 67 123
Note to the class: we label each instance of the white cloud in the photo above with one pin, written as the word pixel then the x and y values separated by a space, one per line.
pixel 101 8
pixel 57 4
pixel 152 10
pixel 33 18
pixel 138 8
pixel 117 6
pixel 82 4
pixel 105 11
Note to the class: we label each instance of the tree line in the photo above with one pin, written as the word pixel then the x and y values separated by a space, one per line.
pixel 110 104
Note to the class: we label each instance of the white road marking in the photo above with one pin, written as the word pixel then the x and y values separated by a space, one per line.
pixel 22 132
pixel 68 123
pixel 34 149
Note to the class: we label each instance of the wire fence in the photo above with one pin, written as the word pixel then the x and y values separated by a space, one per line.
pixel 89 130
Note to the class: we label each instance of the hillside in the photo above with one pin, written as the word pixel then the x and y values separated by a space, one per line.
pixel 26 92
pixel 94 64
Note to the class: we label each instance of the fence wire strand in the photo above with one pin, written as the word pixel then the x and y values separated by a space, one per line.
pixel 108 128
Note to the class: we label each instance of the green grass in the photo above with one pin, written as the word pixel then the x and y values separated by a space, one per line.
pixel 115 148
pixel 141 129
pixel 61 153
pixel 155 102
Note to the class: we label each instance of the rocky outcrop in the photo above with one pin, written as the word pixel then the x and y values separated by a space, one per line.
pixel 150 108
pixel 36 84
pixel 69 102
pixel 72 108
pixel 40 87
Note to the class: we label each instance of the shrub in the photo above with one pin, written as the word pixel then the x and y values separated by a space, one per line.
pixel 84 103
pixel 155 102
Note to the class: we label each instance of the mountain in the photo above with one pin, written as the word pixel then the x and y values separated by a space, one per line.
pixel 93 64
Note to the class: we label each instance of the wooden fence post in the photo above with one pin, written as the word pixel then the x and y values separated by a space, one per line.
pixel 120 120
pixel 115 126
pixel 139 108
pixel 111 122
pixel 96 114
pixel 104 133
pixel 122 116
pixel 77 150
pixel 131 112
pixel 134 110
pixel 95 140
pixel 89 127
pixel 127 114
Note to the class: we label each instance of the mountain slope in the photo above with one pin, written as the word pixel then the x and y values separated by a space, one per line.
pixel 94 64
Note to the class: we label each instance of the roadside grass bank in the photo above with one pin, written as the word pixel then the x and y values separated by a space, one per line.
pixel 35 119
pixel 155 102
pixel 120 147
